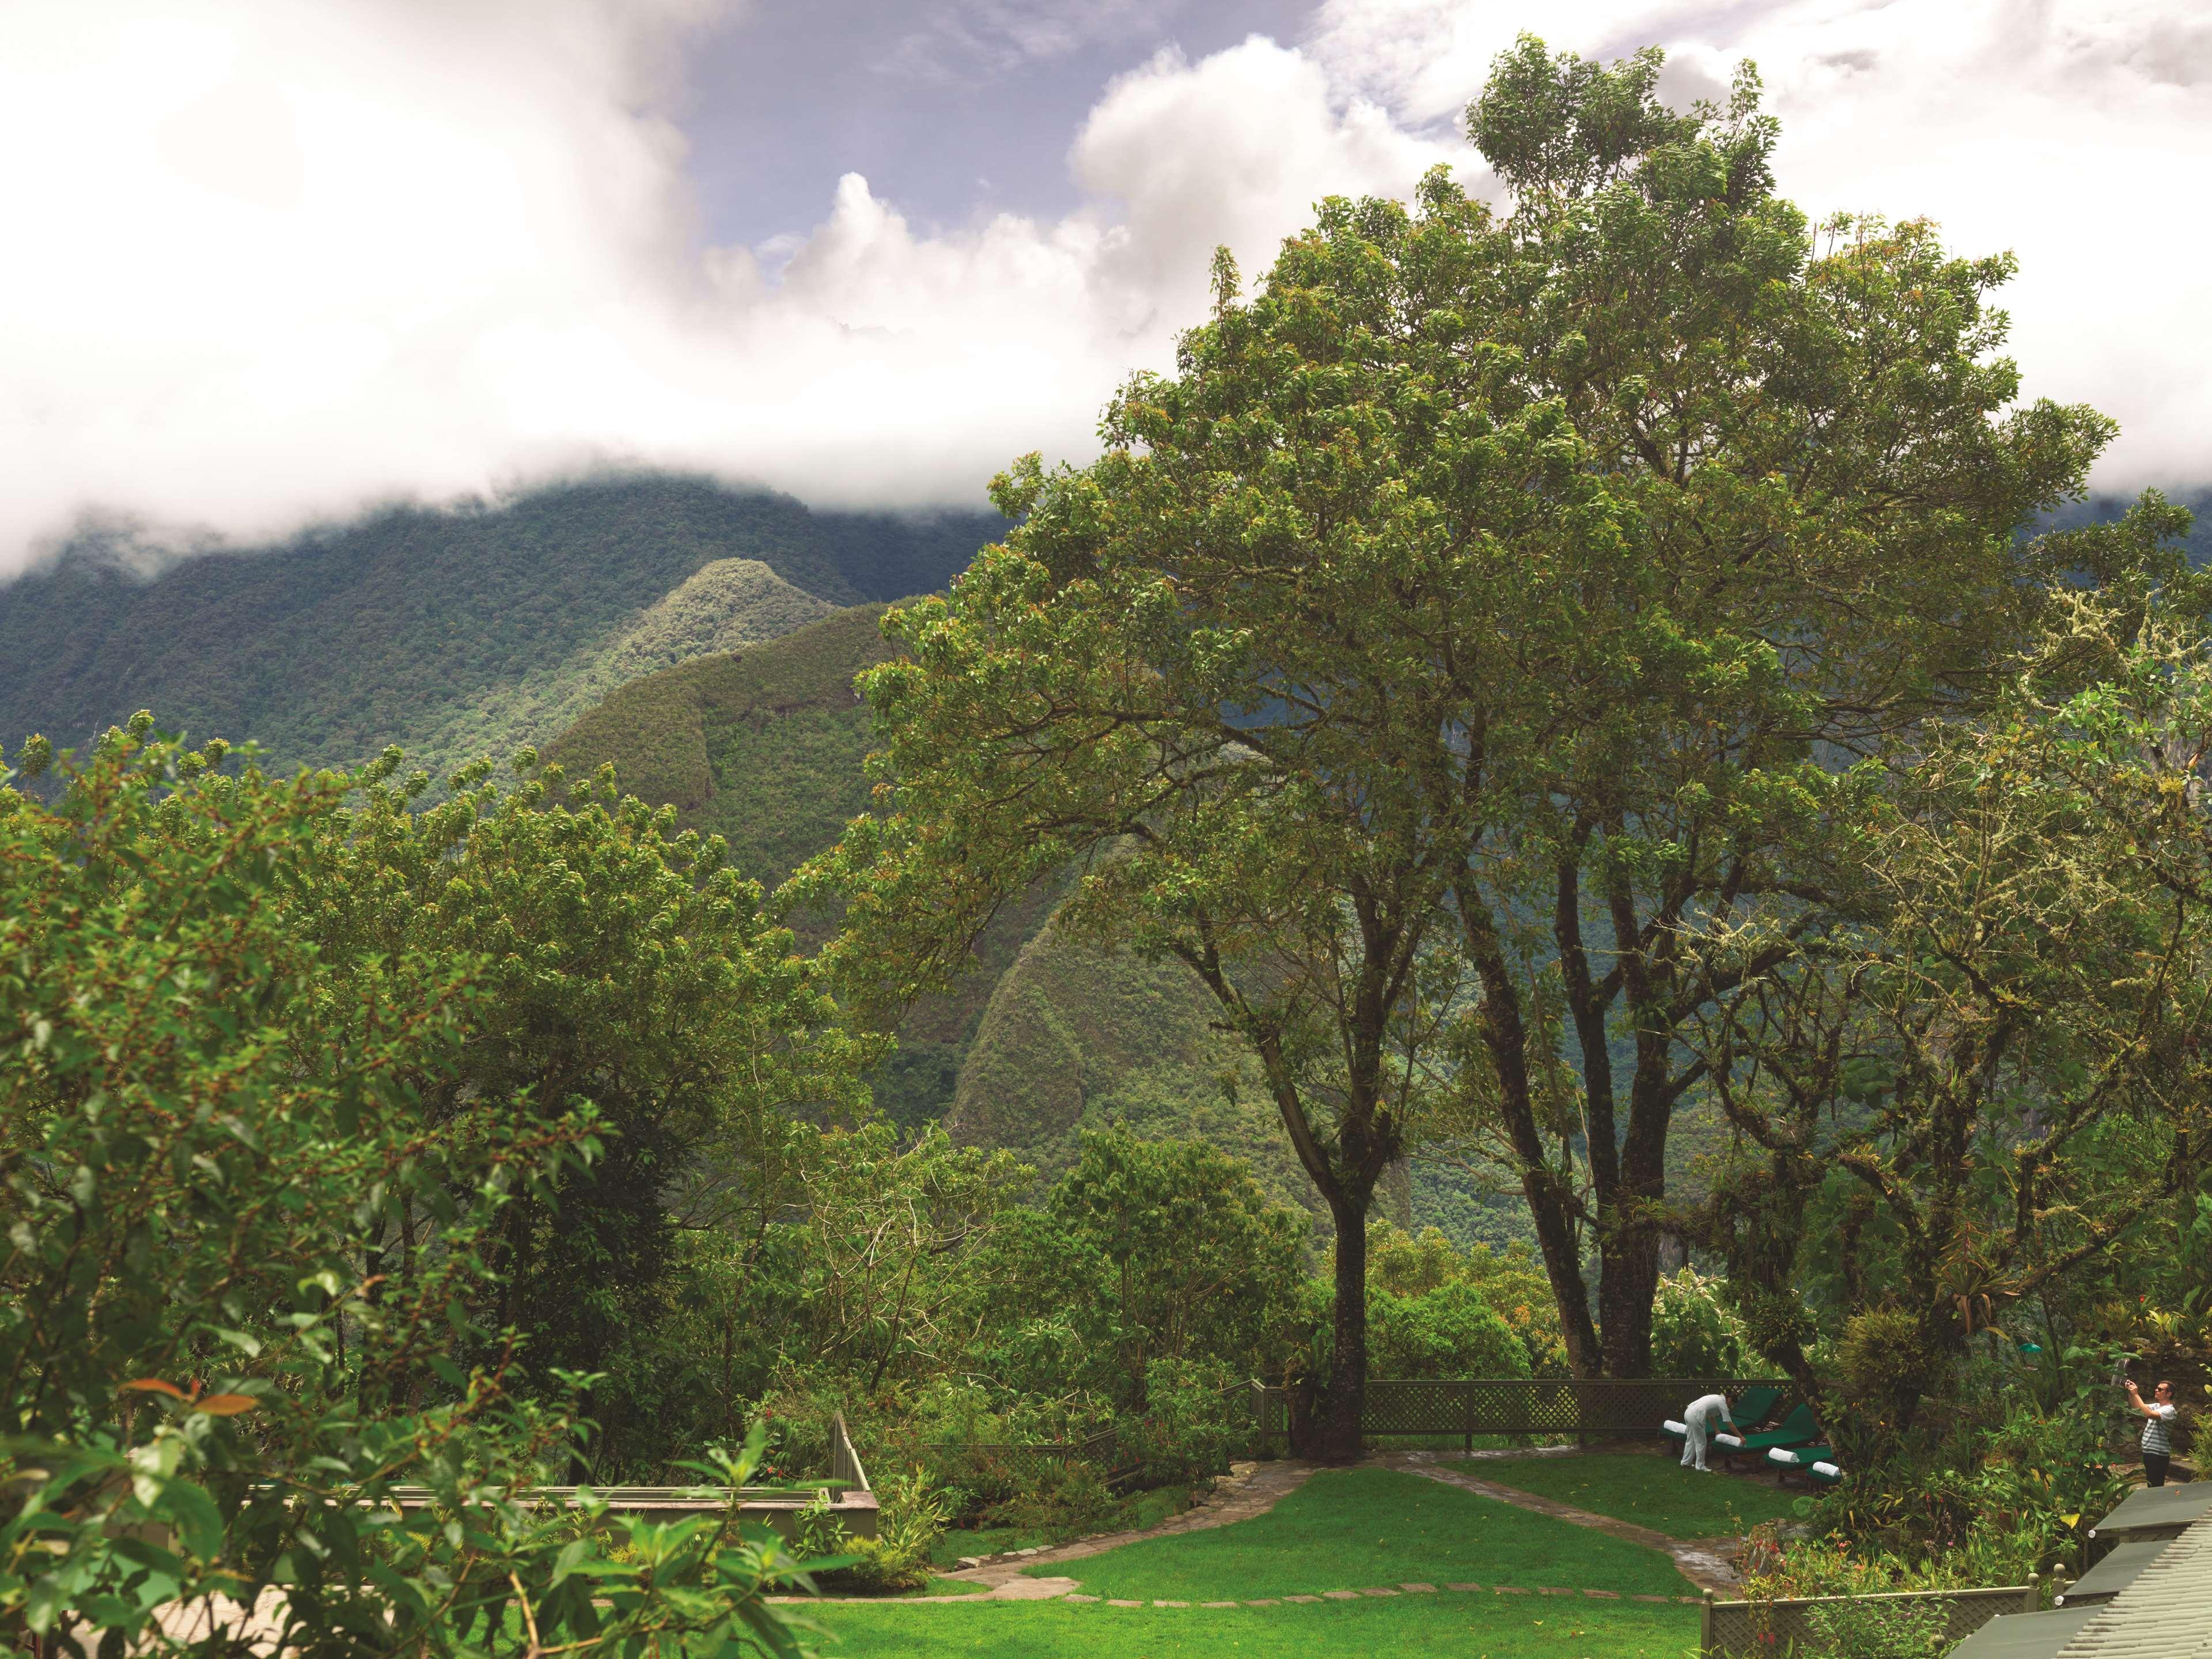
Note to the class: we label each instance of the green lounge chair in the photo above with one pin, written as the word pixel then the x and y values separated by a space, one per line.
pixel 1786 1461
pixel 1756 1406
pixel 1753 1409
pixel 1800 1428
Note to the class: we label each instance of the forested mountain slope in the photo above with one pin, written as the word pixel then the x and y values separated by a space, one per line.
pixel 450 631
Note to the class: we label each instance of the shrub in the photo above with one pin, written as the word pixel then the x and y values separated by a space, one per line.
pixel 1692 1332
pixel 911 1519
pixel 1192 1421
pixel 1879 1629
pixel 1452 1331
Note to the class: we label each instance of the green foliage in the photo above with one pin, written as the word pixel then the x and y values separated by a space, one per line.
pixel 1399 618
pixel 1193 1259
pixel 1863 1630
pixel 911 1520
pixel 1510 1282
pixel 453 633
pixel 622 963
pixel 1450 1331
pixel 213 1123
pixel 1693 1331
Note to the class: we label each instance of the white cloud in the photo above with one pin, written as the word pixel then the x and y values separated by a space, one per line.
pixel 274 262
pixel 2077 133
pixel 271 261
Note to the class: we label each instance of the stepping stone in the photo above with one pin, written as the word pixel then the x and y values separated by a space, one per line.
pixel 1340 1596
pixel 1217 1604
pixel 1078 1598
pixel 1548 1589
pixel 1125 1604
pixel 1661 1600
pixel 1470 1587
pixel 1170 1604
pixel 1378 1592
pixel 1267 1601
pixel 971 1561
pixel 1604 1596
pixel 1508 1589
pixel 1419 1590
pixel 1302 1598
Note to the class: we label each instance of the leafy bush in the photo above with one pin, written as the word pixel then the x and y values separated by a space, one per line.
pixel 212 1128
pixel 1879 1629
pixel 1512 1281
pixel 911 1519
pixel 1452 1331
pixel 1070 1499
pixel 1693 1331
pixel 1195 1414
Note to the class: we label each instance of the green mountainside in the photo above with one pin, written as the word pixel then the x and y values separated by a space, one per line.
pixel 761 747
pixel 764 748
pixel 451 632
pixel 1076 1038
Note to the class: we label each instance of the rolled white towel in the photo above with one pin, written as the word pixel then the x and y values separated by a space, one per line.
pixel 1829 1470
pixel 1788 1459
pixel 1673 1428
pixel 1734 1443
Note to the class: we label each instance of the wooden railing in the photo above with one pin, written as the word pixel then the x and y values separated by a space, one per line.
pixel 844 1462
pixel 1607 1407
pixel 1737 1630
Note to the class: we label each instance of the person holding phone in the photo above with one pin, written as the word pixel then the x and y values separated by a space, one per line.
pixel 2157 1436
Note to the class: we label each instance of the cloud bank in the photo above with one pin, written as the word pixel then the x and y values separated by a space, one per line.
pixel 272 263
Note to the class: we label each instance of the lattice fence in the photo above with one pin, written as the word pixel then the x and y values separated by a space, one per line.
pixel 1790 1630
pixel 1605 1406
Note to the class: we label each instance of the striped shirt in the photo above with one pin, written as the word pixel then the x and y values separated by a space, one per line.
pixel 2155 1439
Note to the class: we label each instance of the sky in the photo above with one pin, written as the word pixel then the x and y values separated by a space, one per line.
pixel 269 264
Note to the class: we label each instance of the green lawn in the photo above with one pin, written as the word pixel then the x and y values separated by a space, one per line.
pixel 1651 1491
pixel 1451 1627
pixel 1352 1529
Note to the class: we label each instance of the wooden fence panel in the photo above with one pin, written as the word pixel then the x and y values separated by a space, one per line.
pixel 1603 1406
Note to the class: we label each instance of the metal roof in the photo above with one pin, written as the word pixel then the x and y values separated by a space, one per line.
pixel 2158 1507
pixel 2025 1635
pixel 2165 1614
pixel 2115 1572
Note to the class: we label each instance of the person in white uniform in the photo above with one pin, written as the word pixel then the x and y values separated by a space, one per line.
pixel 1701 1421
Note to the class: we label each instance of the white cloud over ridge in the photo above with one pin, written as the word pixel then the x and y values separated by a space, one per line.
pixel 271 262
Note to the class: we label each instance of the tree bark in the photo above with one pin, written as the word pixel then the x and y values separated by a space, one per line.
pixel 1504 1034
pixel 1340 1436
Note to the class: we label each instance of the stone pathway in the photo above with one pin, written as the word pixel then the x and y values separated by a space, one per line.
pixel 1252 1489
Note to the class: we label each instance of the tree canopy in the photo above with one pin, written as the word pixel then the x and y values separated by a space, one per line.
pixel 1485 609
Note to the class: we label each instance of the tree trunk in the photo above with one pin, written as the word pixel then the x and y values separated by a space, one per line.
pixel 1628 1250
pixel 1504 1034
pixel 1340 1438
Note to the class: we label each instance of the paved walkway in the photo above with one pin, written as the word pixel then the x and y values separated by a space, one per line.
pixel 1252 1489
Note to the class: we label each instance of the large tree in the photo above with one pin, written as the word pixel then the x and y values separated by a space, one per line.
pixel 1991 1073
pixel 1474 618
